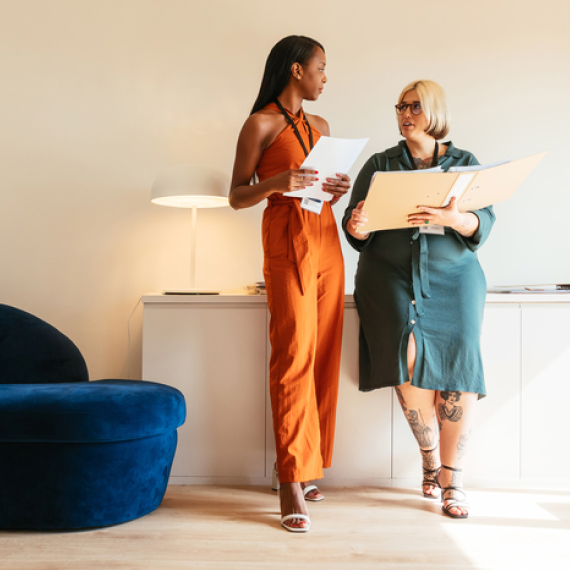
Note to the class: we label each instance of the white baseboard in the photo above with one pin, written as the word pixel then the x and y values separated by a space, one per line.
pixel 546 484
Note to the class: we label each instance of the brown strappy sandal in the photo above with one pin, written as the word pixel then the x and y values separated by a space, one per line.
pixel 455 495
pixel 430 475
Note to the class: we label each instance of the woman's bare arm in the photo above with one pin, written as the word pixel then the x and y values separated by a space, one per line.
pixel 253 140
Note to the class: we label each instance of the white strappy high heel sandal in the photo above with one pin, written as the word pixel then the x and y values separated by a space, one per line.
pixel 296 529
pixel 275 479
pixel 306 490
pixel 310 488
pixel 275 487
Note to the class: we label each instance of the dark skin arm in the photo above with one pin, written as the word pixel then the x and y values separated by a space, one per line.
pixel 257 134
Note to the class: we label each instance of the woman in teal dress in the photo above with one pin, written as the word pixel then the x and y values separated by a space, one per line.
pixel 420 298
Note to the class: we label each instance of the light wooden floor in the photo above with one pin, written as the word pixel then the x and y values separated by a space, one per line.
pixel 211 527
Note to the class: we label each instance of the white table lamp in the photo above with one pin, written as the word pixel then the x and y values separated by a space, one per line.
pixel 191 186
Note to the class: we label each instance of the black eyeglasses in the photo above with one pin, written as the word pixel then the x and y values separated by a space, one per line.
pixel 415 108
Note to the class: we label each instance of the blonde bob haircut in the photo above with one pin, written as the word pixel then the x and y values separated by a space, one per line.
pixel 434 105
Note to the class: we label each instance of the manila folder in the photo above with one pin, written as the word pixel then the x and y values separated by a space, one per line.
pixel 498 183
pixel 392 196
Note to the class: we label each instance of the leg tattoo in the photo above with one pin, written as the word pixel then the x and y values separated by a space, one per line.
pixel 430 468
pixel 455 479
pixel 450 411
pixel 424 434
pixel 401 399
pixel 462 445
pixel 429 463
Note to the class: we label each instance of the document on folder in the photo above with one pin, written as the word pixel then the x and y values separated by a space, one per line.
pixel 329 156
pixel 392 196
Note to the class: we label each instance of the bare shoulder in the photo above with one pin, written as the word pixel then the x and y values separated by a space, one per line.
pixel 259 122
pixel 320 124
pixel 263 126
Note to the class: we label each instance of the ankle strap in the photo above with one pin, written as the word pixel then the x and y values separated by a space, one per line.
pixel 452 468
pixel 429 450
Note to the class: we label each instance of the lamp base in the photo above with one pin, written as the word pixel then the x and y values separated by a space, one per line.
pixel 191 292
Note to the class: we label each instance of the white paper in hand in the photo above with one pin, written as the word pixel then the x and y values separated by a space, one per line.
pixel 329 157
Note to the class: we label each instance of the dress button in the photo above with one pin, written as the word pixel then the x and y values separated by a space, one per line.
pixel 413 301
pixel 412 322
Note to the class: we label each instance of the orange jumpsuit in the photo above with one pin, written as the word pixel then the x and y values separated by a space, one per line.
pixel 304 277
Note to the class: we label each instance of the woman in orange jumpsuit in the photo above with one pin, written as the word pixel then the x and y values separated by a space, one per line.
pixel 303 268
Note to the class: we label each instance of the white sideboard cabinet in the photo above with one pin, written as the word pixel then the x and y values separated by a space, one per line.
pixel 215 349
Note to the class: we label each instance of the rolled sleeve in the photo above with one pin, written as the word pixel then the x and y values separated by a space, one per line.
pixel 486 220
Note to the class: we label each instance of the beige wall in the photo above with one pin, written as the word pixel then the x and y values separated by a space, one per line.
pixel 99 95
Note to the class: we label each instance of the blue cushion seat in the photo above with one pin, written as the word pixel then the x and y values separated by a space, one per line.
pixel 88 412
pixel 77 454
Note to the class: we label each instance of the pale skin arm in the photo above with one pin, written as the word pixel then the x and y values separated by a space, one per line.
pixel 464 223
pixel 357 220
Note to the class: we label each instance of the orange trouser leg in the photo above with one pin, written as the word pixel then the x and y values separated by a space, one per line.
pixel 305 332
pixel 330 299
pixel 292 331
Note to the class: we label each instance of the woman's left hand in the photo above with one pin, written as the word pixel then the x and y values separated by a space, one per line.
pixel 449 216
pixel 466 224
pixel 338 187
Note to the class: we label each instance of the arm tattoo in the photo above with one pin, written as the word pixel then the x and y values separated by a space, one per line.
pixel 464 228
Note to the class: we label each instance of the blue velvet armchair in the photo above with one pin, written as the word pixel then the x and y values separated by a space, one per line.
pixel 73 453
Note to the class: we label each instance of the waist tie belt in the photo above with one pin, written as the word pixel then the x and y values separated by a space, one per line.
pixel 298 241
pixel 420 272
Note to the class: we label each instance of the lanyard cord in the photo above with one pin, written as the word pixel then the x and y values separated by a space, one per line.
pixel 292 123
pixel 420 274
pixel 433 160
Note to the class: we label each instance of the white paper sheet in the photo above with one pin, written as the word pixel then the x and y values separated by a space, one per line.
pixel 476 167
pixel 459 187
pixel 329 156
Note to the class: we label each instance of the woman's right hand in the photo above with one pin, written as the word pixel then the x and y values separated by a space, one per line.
pixel 357 220
pixel 292 180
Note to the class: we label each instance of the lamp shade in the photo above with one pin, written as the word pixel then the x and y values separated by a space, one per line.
pixel 191 186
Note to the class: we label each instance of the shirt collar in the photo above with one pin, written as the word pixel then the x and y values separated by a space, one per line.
pixel 400 152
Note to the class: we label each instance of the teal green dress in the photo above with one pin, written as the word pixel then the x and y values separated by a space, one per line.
pixel 431 285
